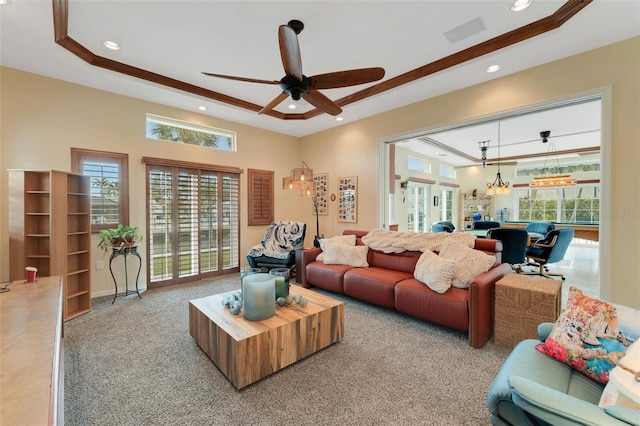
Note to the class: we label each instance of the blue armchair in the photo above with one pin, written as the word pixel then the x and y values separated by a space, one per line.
pixel 444 226
pixel 533 389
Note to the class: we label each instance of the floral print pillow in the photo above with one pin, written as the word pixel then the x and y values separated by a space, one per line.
pixel 584 335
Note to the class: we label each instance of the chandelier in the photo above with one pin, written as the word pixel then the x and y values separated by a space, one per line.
pixel 498 186
pixel 555 180
pixel 301 179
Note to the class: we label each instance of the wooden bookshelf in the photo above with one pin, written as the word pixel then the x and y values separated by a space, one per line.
pixel 50 228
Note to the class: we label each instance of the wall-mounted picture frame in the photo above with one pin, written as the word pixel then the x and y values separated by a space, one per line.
pixel 321 180
pixel 348 199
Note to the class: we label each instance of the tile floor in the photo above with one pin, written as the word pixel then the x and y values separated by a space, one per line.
pixel 581 268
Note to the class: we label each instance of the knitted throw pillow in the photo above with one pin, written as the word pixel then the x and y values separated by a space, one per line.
pixel 469 262
pixel 435 271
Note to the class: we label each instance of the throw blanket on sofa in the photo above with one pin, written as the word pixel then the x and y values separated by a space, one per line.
pixel 280 239
pixel 397 242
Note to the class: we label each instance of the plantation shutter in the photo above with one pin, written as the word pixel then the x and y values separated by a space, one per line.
pixel 194 221
pixel 260 197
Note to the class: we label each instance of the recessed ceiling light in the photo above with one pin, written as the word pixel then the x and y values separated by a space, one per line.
pixel 493 68
pixel 111 45
pixel 441 154
pixel 519 5
pixel 339 118
pixel 5 2
pixel 202 108
pixel 292 106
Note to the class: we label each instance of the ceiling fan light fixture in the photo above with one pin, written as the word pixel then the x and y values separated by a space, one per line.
pixel 520 5
pixel 545 135
pixel 292 106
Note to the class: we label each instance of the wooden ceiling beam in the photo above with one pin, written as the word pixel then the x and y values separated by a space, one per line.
pixel 549 23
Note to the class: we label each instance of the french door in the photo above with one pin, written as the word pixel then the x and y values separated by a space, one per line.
pixel 193 224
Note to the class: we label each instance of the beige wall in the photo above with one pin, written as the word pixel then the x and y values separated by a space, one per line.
pixel 42 118
pixel 617 66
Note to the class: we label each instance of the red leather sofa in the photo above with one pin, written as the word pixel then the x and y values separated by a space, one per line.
pixel 389 282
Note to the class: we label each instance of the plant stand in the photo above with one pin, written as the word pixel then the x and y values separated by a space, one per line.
pixel 125 251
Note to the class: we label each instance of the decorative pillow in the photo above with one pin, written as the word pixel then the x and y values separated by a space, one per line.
pixel 345 240
pixel 584 335
pixel 469 262
pixel 338 254
pixel 434 271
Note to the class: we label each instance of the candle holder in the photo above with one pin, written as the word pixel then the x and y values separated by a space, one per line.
pixel 282 281
pixel 258 296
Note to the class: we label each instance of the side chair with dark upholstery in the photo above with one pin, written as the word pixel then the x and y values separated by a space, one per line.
pixel 278 247
pixel 485 224
pixel 514 245
pixel 444 226
pixel 550 249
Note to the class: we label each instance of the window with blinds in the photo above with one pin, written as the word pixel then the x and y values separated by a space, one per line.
pixel 109 185
pixel 194 223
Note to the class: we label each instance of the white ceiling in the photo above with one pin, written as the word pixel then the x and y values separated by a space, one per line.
pixel 574 126
pixel 181 38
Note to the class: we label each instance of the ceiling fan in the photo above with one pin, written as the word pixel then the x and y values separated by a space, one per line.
pixel 298 85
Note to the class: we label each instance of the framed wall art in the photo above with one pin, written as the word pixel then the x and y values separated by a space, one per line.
pixel 320 179
pixel 348 199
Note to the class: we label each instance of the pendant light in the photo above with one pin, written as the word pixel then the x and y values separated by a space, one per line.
pixel 498 186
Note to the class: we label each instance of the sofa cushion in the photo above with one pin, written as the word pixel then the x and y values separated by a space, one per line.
pixel 338 254
pixel 347 240
pixel 583 336
pixel 403 262
pixel 329 277
pixel 373 285
pixel 450 309
pixel 435 271
pixel 469 262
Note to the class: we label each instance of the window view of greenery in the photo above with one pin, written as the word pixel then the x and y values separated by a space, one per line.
pixel 558 169
pixel 105 192
pixel 573 204
pixel 167 129
pixel 202 208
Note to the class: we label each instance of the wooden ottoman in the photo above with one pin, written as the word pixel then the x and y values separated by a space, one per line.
pixel 521 304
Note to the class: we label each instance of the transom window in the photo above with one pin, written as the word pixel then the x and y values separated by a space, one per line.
pixel 169 129
pixel 418 164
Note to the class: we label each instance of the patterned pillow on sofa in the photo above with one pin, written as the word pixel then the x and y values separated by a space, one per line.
pixel 584 335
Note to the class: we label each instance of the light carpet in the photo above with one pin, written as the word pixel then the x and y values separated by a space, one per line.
pixel 134 363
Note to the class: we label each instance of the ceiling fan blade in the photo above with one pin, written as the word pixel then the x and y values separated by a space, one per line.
pixel 271 105
pixel 334 80
pixel 290 51
pixel 250 80
pixel 320 101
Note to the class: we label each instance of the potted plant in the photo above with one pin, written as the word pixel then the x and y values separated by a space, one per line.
pixel 124 236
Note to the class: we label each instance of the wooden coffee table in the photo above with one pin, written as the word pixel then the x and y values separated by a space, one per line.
pixel 246 351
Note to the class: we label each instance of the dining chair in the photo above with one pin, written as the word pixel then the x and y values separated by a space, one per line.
pixel 514 245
